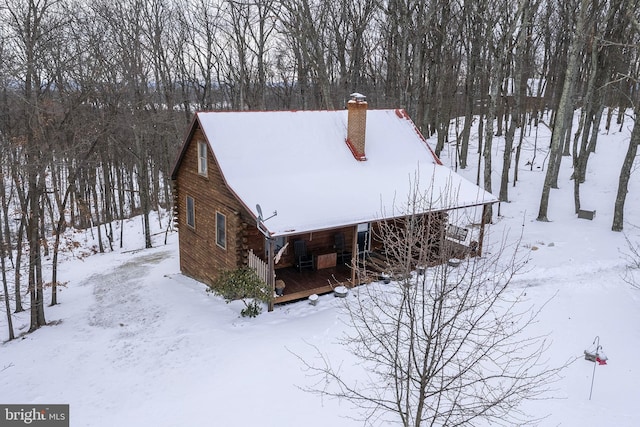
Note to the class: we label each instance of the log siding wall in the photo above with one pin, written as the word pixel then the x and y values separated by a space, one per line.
pixel 200 256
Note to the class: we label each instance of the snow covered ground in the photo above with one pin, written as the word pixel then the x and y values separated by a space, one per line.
pixel 134 343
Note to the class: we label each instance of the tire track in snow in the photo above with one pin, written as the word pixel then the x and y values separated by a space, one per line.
pixel 119 294
pixel 123 311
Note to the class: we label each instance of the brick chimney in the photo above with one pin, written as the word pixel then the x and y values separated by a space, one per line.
pixel 357 125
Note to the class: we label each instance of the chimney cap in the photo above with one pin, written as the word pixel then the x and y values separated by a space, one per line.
pixel 355 96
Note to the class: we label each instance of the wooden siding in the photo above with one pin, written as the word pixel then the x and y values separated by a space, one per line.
pixel 200 257
pixel 253 239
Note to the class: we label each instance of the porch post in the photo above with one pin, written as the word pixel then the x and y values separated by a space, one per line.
pixel 272 271
pixel 354 254
pixel 482 224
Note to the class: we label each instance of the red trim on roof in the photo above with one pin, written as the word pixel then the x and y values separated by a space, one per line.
pixel 358 156
pixel 401 113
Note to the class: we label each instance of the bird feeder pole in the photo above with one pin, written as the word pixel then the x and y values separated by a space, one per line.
pixel 596 355
pixel 593 376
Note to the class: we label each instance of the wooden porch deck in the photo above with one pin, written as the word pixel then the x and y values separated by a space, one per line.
pixel 301 284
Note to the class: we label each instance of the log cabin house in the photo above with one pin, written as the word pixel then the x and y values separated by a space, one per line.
pixel 297 195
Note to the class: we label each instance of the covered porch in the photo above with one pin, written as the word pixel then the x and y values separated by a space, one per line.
pixel 307 263
pixel 301 284
pixel 317 262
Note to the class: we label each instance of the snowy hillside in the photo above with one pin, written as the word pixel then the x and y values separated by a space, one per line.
pixel 134 343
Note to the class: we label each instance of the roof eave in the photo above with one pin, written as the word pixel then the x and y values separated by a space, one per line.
pixel 375 219
pixel 195 123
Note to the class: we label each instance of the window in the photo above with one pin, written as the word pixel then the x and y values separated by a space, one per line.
pixel 202 158
pixel 191 212
pixel 364 238
pixel 221 230
pixel 279 242
pixel 457 233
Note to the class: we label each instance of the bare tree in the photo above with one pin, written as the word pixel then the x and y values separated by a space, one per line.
pixel 448 346
pixel 625 174
pixel 349 22
pixel 36 28
pixel 529 9
pixel 630 275
pixel 250 25
pixel 195 25
pixel 304 24
pixel 634 142
pixel 564 112
pixel 497 67
pixel 607 57
pixel 5 288
pixel 473 21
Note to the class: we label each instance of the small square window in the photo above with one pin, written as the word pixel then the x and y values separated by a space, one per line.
pixel 202 158
pixel 221 230
pixel 191 212
pixel 457 233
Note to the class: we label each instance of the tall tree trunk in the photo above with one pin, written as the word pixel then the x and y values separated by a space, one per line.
pixel 471 94
pixel 488 142
pixel 5 289
pixel 625 174
pixel 481 119
pixel 519 150
pixel 36 291
pixel 4 225
pixel 18 275
pixel 519 91
pixel 576 161
pixel 143 186
pixel 565 111
pixel 96 208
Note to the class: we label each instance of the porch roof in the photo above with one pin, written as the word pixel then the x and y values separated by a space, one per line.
pixel 298 164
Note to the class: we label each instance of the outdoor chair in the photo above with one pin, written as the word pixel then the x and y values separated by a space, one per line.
pixel 343 255
pixel 303 259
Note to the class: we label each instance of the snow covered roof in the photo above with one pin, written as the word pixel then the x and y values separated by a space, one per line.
pixel 298 164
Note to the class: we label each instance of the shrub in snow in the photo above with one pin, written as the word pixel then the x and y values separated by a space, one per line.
pixel 243 284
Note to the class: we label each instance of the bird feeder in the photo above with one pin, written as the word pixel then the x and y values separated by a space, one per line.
pixel 595 354
pixel 601 358
pixel 590 354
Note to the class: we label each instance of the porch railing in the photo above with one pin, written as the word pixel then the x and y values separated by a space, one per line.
pixel 260 267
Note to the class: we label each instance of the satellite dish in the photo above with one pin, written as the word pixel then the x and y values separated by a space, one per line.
pixel 261 218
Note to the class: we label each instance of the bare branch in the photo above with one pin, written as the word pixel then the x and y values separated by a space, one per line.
pixel 444 346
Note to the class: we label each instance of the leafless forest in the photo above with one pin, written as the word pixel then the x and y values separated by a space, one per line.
pixel 95 96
